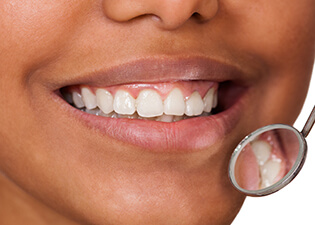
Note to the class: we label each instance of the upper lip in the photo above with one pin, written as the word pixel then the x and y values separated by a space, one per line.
pixel 160 69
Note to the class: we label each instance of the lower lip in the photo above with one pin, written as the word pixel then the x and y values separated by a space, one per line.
pixel 188 135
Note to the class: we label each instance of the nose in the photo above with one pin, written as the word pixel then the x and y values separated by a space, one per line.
pixel 170 14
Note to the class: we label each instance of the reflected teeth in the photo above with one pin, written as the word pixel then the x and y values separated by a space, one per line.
pixel 262 151
pixel 269 166
pixel 148 105
pixel 269 171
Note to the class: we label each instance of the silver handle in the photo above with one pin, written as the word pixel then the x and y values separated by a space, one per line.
pixel 309 123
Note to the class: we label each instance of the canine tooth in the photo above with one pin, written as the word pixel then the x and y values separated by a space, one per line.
pixel 208 100
pixel 269 172
pixel 165 118
pixel 194 105
pixel 124 103
pixel 104 100
pixel 149 103
pixel 77 99
pixel 88 98
pixel 215 99
pixel 174 104
pixel 262 151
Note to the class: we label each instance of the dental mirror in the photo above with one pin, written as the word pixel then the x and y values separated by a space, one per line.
pixel 269 158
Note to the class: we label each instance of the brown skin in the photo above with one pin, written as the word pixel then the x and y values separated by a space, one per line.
pixel 55 171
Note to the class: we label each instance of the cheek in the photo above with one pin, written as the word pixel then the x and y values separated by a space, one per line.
pixel 37 30
pixel 273 30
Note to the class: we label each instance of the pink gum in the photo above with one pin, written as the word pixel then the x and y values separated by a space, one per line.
pixel 186 87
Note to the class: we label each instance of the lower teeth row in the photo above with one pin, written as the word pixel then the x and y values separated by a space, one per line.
pixel 162 118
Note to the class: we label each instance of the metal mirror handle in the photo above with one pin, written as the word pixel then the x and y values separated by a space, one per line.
pixel 309 123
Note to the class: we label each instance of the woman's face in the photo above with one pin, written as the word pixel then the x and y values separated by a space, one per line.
pixel 102 170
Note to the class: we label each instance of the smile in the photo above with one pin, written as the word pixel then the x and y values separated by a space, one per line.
pixel 182 105
pixel 165 102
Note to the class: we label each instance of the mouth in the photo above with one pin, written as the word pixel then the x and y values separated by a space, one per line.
pixel 165 102
pixel 180 105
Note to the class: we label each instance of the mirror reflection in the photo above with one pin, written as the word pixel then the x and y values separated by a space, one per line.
pixel 266 159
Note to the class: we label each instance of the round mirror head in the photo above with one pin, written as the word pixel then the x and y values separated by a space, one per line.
pixel 267 159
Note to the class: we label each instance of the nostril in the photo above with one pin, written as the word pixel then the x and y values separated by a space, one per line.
pixel 196 16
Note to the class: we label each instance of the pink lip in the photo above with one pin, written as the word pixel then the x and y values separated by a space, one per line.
pixel 184 136
pixel 157 69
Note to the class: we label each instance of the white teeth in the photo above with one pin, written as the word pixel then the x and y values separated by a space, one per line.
pixel 174 104
pixel 88 98
pixel 194 105
pixel 165 118
pixel 104 100
pixel 124 103
pixel 77 100
pixel 269 171
pixel 262 151
pixel 149 103
pixel 208 100
pixel 269 167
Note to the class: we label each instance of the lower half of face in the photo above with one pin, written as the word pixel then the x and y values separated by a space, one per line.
pixel 128 115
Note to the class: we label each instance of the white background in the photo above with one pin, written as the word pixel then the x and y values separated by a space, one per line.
pixel 295 203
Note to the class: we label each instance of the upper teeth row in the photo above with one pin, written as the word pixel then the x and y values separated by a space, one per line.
pixel 147 104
